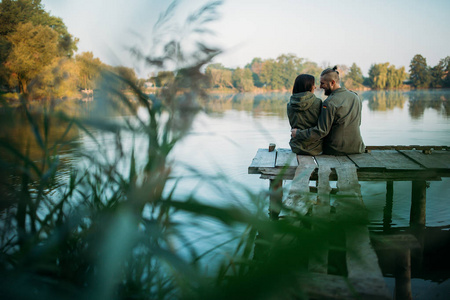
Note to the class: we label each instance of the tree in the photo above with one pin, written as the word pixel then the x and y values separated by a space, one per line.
pixel 311 68
pixel 437 74
pixel 391 80
pixel 289 66
pixel 33 48
pixel 256 67
pixel 271 75
pixel 57 80
pixel 420 74
pixel 446 79
pixel 382 76
pixel 400 76
pixel 164 78
pixel 128 74
pixel 355 74
pixel 15 12
pixel 242 79
pixel 378 75
pixel 219 76
pixel 89 70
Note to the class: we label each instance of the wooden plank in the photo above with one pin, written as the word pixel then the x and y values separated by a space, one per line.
pixel 410 147
pixel 349 200
pixel 366 161
pixel 394 242
pixel 438 159
pixel 300 198
pixel 323 188
pixel 286 158
pixel 394 160
pixel 344 161
pixel 300 183
pixel 263 159
pixel 347 182
pixel 362 262
pixel 323 286
pixel 319 262
pixel 363 175
pixel 328 160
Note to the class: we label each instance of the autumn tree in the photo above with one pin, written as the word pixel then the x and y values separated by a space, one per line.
pixel 128 75
pixel 289 66
pixel 89 68
pixel 15 12
pixel 271 75
pixel 378 75
pixel 242 79
pixel 420 74
pixel 13 15
pixel 256 67
pixel 382 76
pixel 164 78
pixel 395 77
pixel 219 76
pixel 56 80
pixel 33 48
pixel 311 68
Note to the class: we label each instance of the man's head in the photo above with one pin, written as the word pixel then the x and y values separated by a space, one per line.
pixel 329 80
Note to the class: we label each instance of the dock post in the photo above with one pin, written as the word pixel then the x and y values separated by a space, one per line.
pixel 403 274
pixel 387 211
pixel 275 192
pixel 418 203
pixel 276 197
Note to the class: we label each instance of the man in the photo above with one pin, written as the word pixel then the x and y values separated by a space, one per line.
pixel 339 120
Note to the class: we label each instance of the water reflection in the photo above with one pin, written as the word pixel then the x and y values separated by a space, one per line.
pixel 258 104
pixel 17 131
pixel 421 100
pixel 275 103
pixel 384 100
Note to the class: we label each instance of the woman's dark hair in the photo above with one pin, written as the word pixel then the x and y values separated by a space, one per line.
pixel 303 83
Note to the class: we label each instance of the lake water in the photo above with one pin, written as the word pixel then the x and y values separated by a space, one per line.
pixel 225 139
pixel 227 134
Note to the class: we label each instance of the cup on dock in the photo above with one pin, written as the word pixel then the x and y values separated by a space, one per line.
pixel 272 147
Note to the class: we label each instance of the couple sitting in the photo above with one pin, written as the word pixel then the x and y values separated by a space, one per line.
pixel 331 127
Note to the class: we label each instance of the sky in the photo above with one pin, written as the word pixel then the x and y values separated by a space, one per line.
pixel 327 32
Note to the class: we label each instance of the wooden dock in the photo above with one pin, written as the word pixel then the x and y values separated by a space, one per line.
pixel 417 164
pixel 383 163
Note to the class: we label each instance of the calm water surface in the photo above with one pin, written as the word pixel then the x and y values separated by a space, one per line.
pixel 225 139
pixel 226 136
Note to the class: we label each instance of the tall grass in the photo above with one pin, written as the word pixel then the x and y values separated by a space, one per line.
pixel 107 229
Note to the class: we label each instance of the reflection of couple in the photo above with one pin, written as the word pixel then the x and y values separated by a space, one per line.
pixel 331 127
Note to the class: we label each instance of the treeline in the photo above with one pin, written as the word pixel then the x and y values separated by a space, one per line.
pixel 37 54
pixel 280 73
pixel 36 50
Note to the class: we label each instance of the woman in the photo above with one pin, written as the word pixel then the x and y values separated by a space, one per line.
pixel 303 112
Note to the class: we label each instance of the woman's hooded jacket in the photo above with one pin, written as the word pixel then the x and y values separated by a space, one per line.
pixel 303 111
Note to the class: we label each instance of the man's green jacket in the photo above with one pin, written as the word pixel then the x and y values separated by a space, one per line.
pixel 338 124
